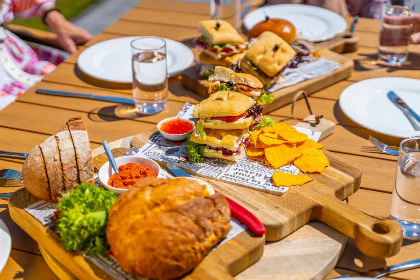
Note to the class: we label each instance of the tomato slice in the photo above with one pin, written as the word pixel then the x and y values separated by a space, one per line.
pixel 230 119
pixel 227 50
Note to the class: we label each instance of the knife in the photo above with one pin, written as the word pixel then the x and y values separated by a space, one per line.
pixel 238 211
pixel 415 118
pixel 87 96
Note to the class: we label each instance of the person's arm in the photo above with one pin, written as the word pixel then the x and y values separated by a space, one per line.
pixel 336 6
pixel 68 34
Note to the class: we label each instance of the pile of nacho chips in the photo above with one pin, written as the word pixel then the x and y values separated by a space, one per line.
pixel 280 145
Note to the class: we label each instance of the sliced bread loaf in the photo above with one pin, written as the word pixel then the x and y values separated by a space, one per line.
pixel 68 159
pixel 52 159
pixel 77 129
pixel 34 175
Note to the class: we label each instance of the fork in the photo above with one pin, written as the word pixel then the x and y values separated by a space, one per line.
pixel 391 150
pixel 11 174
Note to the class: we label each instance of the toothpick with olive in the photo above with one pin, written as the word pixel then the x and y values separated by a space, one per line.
pixel 217 25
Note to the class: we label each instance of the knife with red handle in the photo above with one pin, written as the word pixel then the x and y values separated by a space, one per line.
pixel 238 211
pixel 247 218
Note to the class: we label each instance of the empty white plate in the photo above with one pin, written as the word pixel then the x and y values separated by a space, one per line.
pixel 312 23
pixel 367 104
pixel 5 244
pixel 111 60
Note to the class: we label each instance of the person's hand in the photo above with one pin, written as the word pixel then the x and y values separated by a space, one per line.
pixel 68 34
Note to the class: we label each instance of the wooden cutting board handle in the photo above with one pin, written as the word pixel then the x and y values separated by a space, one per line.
pixel 374 237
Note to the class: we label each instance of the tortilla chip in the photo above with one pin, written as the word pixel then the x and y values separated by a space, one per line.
pixel 268 129
pixel 315 152
pixel 254 138
pixel 311 163
pixel 282 179
pixel 251 151
pixel 269 134
pixel 310 144
pixel 260 159
pixel 293 136
pixel 269 141
pixel 282 155
pixel 280 127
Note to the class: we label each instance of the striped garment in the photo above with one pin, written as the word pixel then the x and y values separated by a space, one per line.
pixel 34 59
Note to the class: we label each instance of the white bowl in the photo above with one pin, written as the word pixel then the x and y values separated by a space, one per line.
pixel 106 170
pixel 174 137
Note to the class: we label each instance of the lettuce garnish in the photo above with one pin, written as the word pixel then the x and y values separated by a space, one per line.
pixel 265 99
pixel 266 121
pixel 199 130
pixel 83 217
pixel 195 152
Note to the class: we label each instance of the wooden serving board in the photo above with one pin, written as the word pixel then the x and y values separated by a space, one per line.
pixel 319 200
pixel 311 252
pixel 222 263
pixel 342 43
pixel 193 81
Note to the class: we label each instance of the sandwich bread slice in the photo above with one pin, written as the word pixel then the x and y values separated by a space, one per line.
pixel 225 110
pixel 219 39
pixel 267 57
pixel 224 144
pixel 227 79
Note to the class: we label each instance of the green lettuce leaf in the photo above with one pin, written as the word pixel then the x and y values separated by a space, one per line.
pixel 199 130
pixel 266 121
pixel 266 99
pixel 195 152
pixel 251 65
pixel 221 87
pixel 83 217
pixel 209 72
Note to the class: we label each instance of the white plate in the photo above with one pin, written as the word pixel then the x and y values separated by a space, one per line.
pixel 367 104
pixel 5 244
pixel 312 23
pixel 111 60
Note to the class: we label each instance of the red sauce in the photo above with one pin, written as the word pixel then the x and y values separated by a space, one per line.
pixel 176 126
pixel 128 174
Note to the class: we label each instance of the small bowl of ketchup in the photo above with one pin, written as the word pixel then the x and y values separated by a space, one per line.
pixel 175 129
pixel 131 169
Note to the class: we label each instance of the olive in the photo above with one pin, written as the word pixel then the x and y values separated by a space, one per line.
pixel 238 69
pixel 229 84
pixel 276 47
pixel 217 25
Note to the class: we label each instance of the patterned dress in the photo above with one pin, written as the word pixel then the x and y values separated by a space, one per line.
pixel 32 60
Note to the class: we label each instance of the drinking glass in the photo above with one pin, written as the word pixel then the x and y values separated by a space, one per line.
pixel 150 74
pixel 228 10
pixel 396 28
pixel 405 205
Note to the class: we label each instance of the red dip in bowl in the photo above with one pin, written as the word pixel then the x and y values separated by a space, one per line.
pixel 176 126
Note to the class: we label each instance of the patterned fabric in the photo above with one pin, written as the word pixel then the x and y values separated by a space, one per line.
pixel 36 60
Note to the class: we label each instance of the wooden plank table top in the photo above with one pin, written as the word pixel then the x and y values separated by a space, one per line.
pixel 32 118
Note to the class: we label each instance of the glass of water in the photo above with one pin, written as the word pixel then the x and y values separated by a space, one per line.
pixel 150 74
pixel 405 205
pixel 396 28
pixel 228 10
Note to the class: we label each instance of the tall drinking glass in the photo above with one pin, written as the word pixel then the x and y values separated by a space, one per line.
pixel 228 10
pixel 405 205
pixel 396 28
pixel 150 78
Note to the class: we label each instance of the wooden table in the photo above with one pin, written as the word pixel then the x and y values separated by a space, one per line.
pixel 33 117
